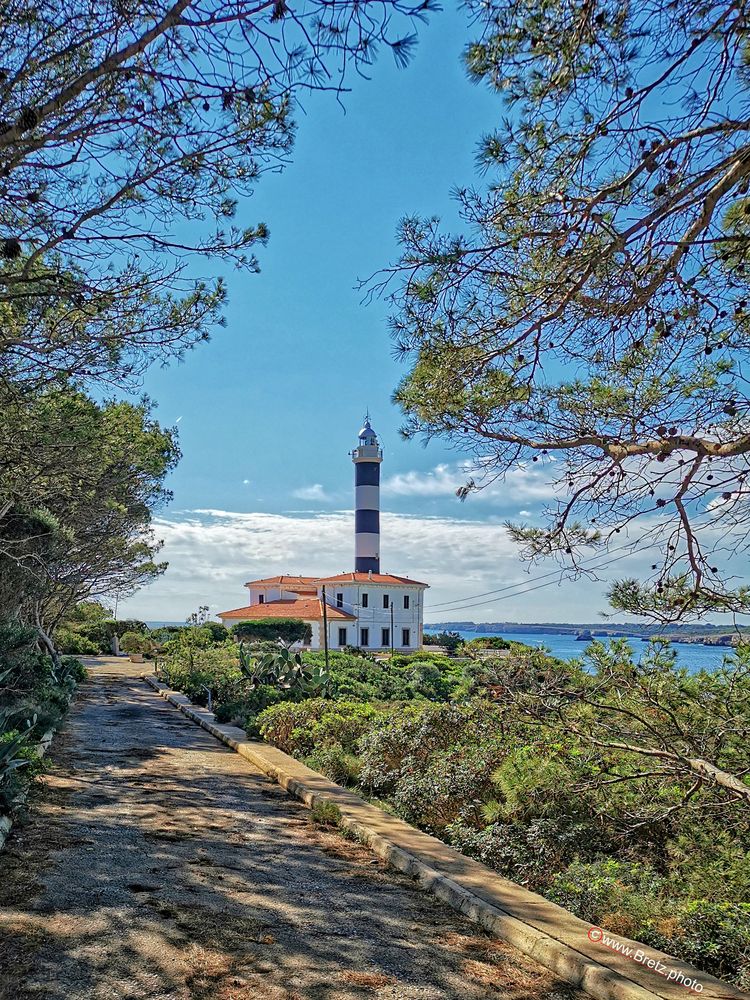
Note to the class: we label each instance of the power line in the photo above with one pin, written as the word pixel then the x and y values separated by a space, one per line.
pixel 526 590
pixel 532 579
pixel 542 576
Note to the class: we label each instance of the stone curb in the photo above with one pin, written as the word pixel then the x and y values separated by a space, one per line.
pixel 549 934
pixel 5 821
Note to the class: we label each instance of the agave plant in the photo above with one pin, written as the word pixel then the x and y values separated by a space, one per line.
pixel 10 758
pixel 283 670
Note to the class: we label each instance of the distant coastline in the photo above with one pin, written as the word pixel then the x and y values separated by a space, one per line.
pixel 702 634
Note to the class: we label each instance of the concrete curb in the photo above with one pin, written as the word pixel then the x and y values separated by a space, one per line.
pixel 540 929
pixel 6 822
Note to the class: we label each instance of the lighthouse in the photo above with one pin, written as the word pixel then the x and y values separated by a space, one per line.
pixel 364 608
pixel 367 457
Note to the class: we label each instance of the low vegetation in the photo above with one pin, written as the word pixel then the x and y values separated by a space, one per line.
pixel 35 692
pixel 616 789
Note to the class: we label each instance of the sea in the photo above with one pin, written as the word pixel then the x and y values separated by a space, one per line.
pixel 691 656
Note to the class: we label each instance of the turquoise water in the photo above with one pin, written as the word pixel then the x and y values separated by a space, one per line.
pixel 566 647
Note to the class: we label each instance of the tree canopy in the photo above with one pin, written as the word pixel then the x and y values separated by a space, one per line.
pixel 80 481
pixel 592 314
pixel 127 131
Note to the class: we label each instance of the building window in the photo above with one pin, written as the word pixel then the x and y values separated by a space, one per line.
pixel 261 599
pixel 339 600
pixel 364 637
pixel 385 637
pixel 406 637
pixel 406 602
pixel 365 600
pixel 386 602
pixel 342 637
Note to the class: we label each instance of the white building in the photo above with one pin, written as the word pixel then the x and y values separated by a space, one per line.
pixel 366 608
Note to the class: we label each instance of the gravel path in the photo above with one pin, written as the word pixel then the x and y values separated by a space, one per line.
pixel 155 863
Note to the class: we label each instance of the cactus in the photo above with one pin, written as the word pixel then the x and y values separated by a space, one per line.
pixel 283 670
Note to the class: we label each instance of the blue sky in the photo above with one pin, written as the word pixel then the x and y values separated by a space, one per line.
pixel 268 411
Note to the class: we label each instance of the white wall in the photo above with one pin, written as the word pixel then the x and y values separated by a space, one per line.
pixel 375 617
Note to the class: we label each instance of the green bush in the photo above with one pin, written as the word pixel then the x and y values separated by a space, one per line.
pixel 626 897
pixel 192 670
pixel 715 937
pixel 136 642
pixel 447 787
pixel 34 694
pixel 286 630
pixel 400 678
pixel 75 643
pixel 74 669
pixel 632 899
pixel 335 763
pixel 486 642
pixel 418 733
pixel 528 853
pixel 304 727
pixel 325 814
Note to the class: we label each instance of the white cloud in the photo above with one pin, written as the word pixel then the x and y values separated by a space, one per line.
pixel 524 513
pixel 212 553
pixel 245 482
pixel 314 492
pixel 523 483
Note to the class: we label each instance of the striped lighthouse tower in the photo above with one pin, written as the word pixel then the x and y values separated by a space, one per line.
pixel 367 457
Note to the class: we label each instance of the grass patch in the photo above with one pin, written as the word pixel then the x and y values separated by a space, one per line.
pixel 326 814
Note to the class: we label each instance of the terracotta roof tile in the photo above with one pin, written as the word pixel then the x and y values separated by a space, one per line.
pixel 386 578
pixel 292 581
pixel 308 609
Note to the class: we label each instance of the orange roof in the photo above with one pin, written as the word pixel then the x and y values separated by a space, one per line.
pixel 371 578
pixel 306 608
pixel 289 582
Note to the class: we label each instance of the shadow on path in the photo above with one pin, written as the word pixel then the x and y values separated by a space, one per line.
pixel 155 863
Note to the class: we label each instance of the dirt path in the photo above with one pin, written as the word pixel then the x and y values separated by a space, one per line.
pixel 157 864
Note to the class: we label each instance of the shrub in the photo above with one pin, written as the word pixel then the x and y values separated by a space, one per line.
pixel 286 630
pixel 633 900
pixel 450 786
pixel 136 642
pixel 325 814
pixel 419 731
pixel 400 678
pixel 335 763
pixel 15 753
pixel 75 643
pixel 626 897
pixel 192 670
pixel 451 641
pixel 715 937
pixel 34 694
pixel 74 669
pixel 218 631
pixel 528 853
pixel 288 725
pixel 316 723
pixel 486 642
